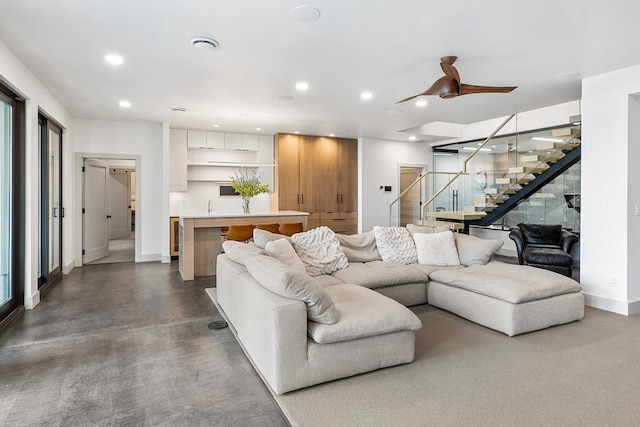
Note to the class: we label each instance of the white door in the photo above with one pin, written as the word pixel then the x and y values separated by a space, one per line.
pixel 120 221
pixel 95 222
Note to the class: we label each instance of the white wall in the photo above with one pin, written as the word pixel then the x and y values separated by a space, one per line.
pixel 609 271
pixel 17 76
pixel 379 164
pixel 100 139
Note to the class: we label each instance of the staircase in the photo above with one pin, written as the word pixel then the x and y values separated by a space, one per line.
pixel 495 183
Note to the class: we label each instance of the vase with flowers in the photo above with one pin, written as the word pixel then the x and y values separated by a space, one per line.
pixel 246 183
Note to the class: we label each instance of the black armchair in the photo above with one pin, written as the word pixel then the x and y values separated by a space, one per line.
pixel 544 246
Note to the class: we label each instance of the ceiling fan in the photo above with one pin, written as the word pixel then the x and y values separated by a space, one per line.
pixel 450 86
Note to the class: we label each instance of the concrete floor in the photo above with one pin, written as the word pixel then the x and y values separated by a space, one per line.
pixel 127 345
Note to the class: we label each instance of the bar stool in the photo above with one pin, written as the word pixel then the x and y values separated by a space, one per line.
pixel 289 228
pixel 273 227
pixel 240 233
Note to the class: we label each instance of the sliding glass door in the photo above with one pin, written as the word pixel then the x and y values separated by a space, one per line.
pixel 52 211
pixel 11 203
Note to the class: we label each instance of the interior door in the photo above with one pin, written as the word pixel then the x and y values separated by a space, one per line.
pixel 7 297
pixel 410 202
pixel 119 210
pixel 95 210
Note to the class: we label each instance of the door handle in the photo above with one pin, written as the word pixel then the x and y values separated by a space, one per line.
pixel 338 198
pixel 62 212
pixel 302 198
pixel 55 212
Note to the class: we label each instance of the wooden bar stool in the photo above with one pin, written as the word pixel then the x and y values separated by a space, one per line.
pixel 289 228
pixel 240 233
pixel 273 227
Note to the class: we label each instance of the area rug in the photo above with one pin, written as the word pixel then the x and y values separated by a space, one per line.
pixel 583 373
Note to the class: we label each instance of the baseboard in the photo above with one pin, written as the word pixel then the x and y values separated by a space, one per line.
pixel 150 257
pixel 70 266
pixel 31 301
pixel 166 259
pixel 634 308
pixel 608 304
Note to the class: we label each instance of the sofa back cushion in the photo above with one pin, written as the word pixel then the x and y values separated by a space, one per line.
pixel 541 234
pixel 320 251
pixel 261 237
pixel 282 250
pixel 438 249
pixel 288 282
pixel 474 250
pixel 395 245
pixel 239 252
pixel 359 247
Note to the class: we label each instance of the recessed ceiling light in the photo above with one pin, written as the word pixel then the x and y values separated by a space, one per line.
pixel 215 125
pixel 124 104
pixel 302 86
pixel 204 43
pixel 305 13
pixel 297 132
pixel 332 134
pixel 366 95
pixel 114 59
pixel 179 109
pixel 541 138
pixel 421 103
pixel 258 129
pixel 413 138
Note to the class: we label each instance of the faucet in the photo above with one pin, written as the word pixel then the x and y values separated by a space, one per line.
pixel 209 207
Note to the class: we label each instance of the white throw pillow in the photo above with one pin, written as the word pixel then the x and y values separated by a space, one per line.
pixel 395 245
pixel 359 247
pixel 412 228
pixel 320 251
pixel 437 249
pixel 281 249
pixel 474 250
pixel 283 280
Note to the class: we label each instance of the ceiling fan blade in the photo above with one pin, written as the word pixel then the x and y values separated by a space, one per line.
pixel 450 71
pixel 448 59
pixel 445 87
pixel 466 89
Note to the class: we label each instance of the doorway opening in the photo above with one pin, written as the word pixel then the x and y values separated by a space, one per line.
pixel 108 210
pixel 411 203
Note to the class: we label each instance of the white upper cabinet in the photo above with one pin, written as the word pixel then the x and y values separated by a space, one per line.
pixel 215 140
pixel 196 139
pixel 232 141
pixel 250 142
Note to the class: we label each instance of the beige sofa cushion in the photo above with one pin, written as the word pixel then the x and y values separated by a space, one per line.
pixel 438 249
pixel 239 252
pixel 474 250
pixel 413 228
pixel 282 250
pixel 363 313
pixel 319 250
pixel 376 274
pixel 288 282
pixel 261 237
pixel 507 282
pixel 395 245
pixel 359 247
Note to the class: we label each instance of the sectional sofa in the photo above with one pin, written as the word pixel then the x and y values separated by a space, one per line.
pixel 318 306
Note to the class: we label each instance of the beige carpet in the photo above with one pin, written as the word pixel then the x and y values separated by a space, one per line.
pixel 584 373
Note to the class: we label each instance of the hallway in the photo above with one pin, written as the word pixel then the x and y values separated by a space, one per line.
pixel 127 344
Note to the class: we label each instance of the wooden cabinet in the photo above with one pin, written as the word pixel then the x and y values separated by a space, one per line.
pixel 318 175
pixel 174 241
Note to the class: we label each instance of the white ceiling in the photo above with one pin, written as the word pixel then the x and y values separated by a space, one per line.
pixel 389 48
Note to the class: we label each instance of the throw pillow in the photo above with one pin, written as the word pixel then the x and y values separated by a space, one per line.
pixel 395 245
pixel 288 282
pixel 239 252
pixel 281 249
pixel 412 228
pixel 320 251
pixel 474 250
pixel 437 249
pixel 261 237
pixel 359 247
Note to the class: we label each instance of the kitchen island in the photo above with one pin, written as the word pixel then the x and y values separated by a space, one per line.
pixel 200 242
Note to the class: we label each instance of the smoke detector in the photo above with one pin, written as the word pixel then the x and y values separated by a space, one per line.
pixel 204 43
